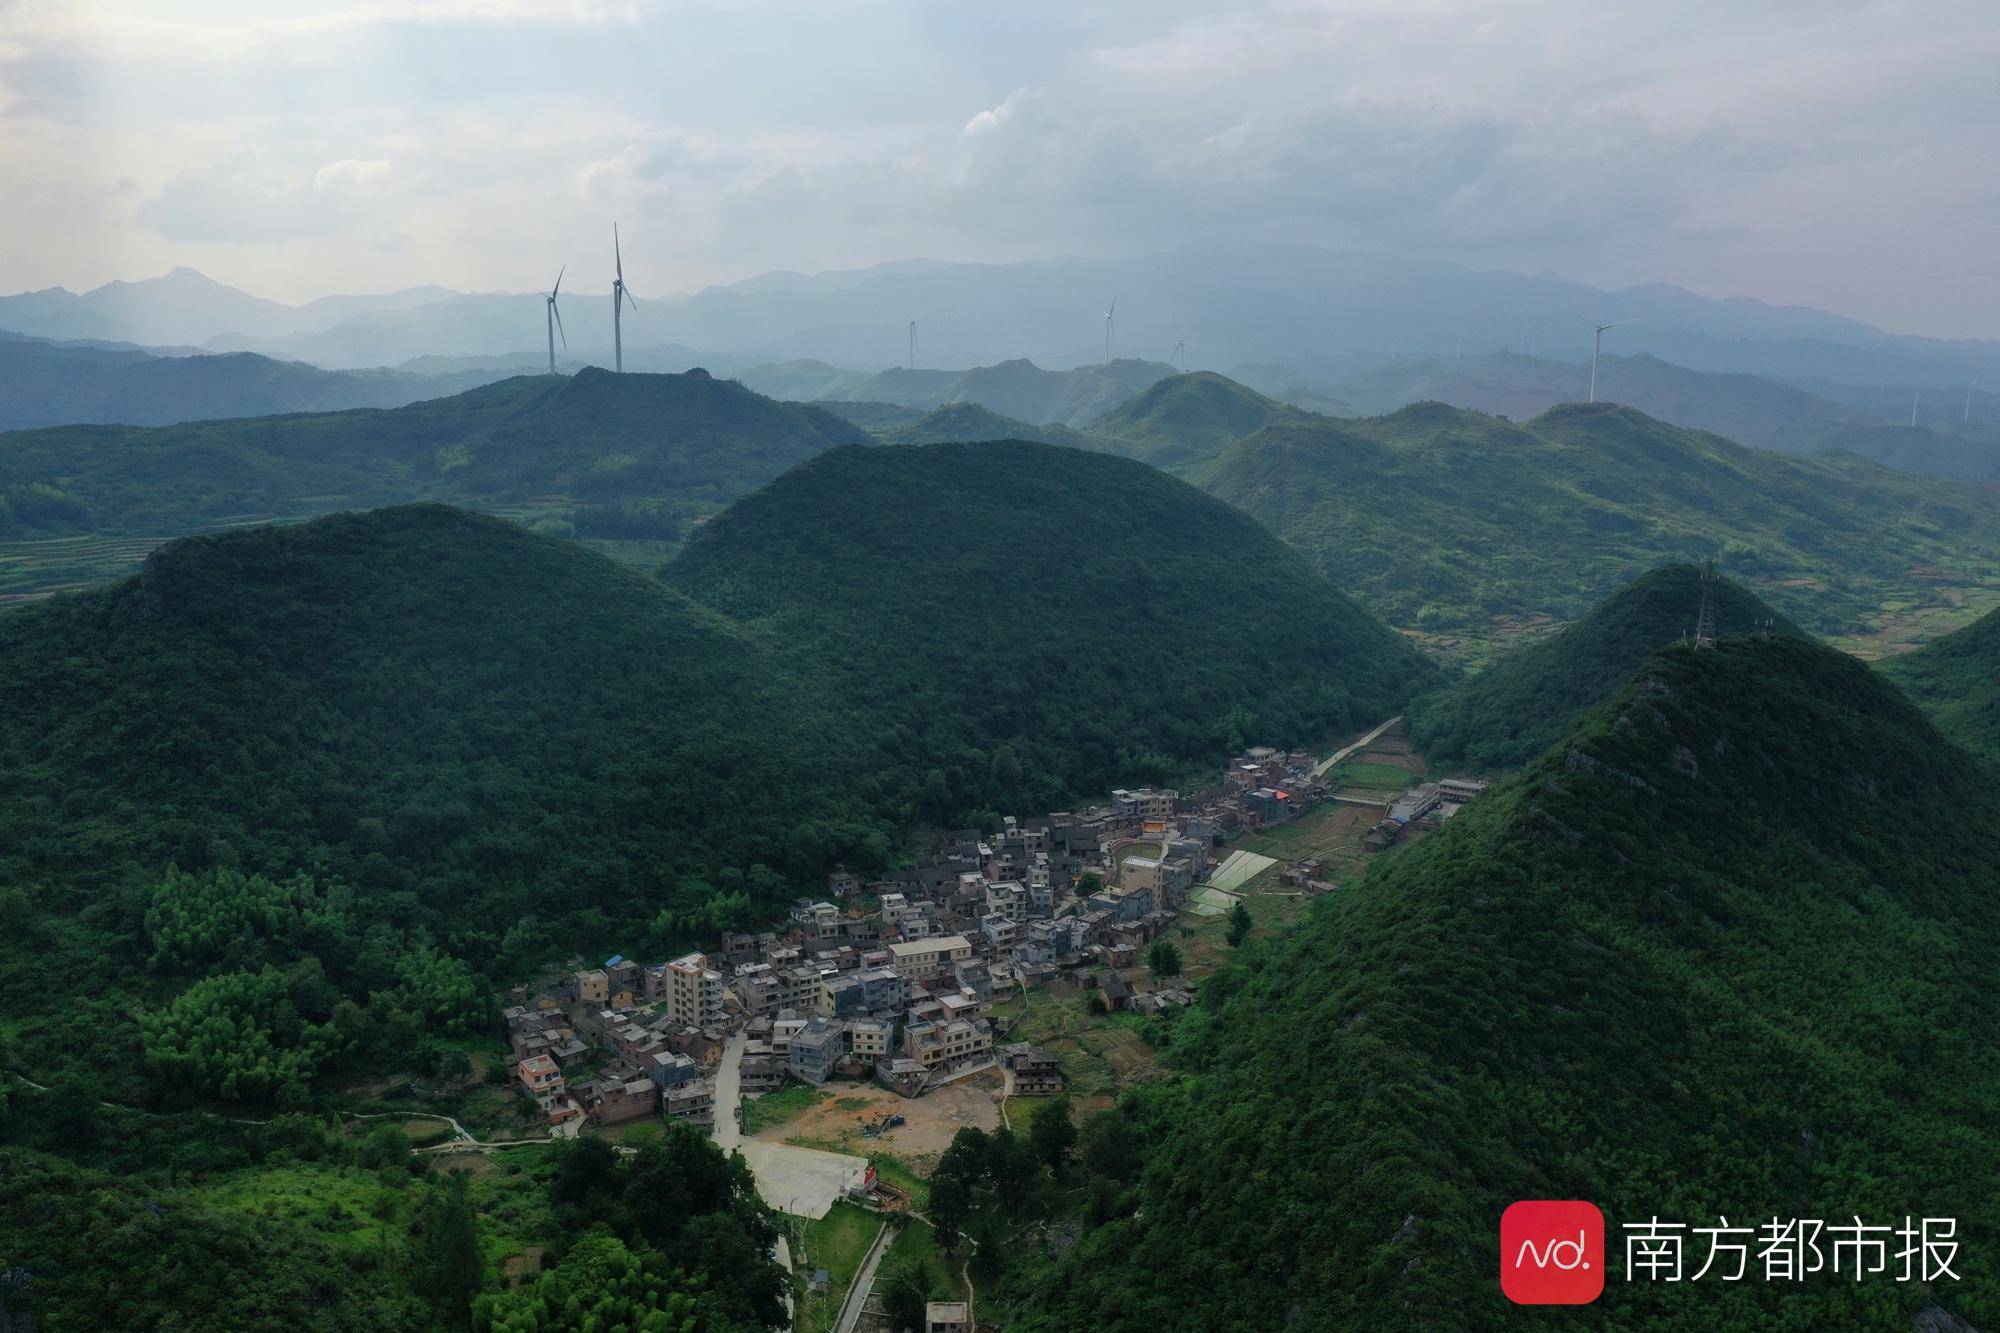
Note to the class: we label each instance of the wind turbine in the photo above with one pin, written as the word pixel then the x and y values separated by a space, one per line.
pixel 1108 313
pixel 913 344
pixel 1598 342
pixel 554 318
pixel 1913 405
pixel 1180 350
pixel 620 297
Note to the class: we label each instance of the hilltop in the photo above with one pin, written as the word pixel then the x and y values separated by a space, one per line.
pixel 1524 701
pixel 1042 621
pixel 1018 389
pixel 1187 417
pixel 1957 680
pixel 966 422
pixel 1715 952
pixel 1442 519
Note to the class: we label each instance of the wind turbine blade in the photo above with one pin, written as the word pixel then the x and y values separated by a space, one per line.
pixel 556 310
pixel 1114 308
pixel 617 255
pixel 559 277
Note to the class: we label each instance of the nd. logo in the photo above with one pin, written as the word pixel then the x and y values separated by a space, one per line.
pixel 1552 1252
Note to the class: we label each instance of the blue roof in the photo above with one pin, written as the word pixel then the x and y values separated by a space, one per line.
pixel 614 960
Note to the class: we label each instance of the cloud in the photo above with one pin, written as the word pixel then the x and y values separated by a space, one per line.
pixel 351 178
pixel 237 200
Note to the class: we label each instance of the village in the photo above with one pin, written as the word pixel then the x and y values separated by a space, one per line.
pixel 841 1053
pixel 896 979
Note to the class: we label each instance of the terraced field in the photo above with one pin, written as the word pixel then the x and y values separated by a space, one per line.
pixel 40 568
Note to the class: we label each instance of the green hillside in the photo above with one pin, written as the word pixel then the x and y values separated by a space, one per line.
pixel 600 455
pixel 1525 700
pixel 446 713
pixel 1957 681
pixel 1446 520
pixel 969 423
pixel 1041 621
pixel 1187 417
pixel 1725 950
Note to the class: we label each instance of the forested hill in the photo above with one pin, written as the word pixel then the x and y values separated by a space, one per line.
pixel 1523 702
pixel 485 747
pixel 1444 519
pixel 1957 680
pixel 1187 417
pixel 487 736
pixel 1042 621
pixel 1726 949
pixel 594 438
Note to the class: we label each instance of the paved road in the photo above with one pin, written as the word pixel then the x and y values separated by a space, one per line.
pixel 1361 744
pixel 729 1094
pixel 864 1281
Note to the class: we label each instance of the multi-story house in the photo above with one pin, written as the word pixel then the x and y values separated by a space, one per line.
pixel 694 992
pixel 817 1049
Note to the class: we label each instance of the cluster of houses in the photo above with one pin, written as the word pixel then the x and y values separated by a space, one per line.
pixel 895 978
pixel 622 1041
pixel 1432 802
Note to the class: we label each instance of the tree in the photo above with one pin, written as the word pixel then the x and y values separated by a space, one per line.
pixel 903 1303
pixel 950 1202
pixel 1053 1134
pixel 446 1266
pixel 1240 925
pixel 1163 959
pixel 601 1284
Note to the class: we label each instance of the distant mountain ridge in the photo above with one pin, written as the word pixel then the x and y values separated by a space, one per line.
pixel 48 384
pixel 1298 305
pixel 1750 409
pixel 1442 519
pixel 685 442
pixel 1018 389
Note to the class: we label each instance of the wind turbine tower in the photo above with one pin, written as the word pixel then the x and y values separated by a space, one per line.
pixel 554 318
pixel 1111 310
pixel 913 344
pixel 620 298
pixel 1597 344
pixel 1914 394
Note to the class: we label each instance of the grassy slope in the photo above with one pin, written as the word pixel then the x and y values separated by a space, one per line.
pixel 1521 704
pixel 1957 680
pixel 1721 951
pixel 1435 517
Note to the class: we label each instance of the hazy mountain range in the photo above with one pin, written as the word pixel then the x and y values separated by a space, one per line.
pixel 1301 307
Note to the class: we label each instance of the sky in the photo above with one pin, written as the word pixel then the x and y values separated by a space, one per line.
pixel 1832 153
